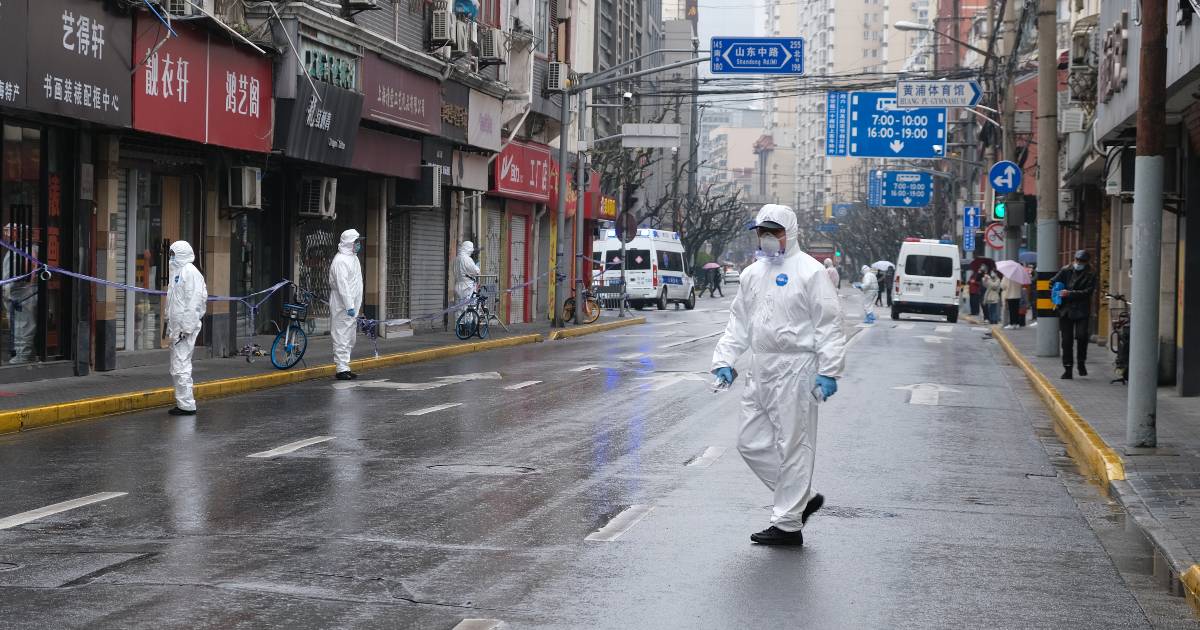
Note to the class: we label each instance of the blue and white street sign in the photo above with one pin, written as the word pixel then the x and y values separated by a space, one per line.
pixel 937 93
pixel 840 210
pixel 1005 177
pixel 972 218
pixel 827 227
pixel 899 189
pixel 757 55
pixel 879 129
pixel 969 241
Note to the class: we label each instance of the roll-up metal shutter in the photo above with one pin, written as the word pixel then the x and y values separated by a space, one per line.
pixel 427 266
pixel 399 248
pixel 516 268
pixel 120 229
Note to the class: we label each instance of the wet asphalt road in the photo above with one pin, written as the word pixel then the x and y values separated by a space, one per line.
pixel 958 512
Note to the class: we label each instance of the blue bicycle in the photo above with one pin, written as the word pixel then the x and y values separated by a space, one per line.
pixel 291 343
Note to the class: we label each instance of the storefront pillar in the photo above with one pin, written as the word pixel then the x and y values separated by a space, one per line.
pixel 218 232
pixel 374 284
pixel 107 174
pixel 81 300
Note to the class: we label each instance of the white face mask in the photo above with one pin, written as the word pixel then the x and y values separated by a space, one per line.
pixel 1079 266
pixel 770 246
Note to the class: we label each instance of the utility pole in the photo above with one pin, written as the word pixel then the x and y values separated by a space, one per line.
pixel 1012 233
pixel 1140 419
pixel 1047 182
pixel 581 284
pixel 694 140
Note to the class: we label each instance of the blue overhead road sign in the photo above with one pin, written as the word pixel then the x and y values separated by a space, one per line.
pixel 899 189
pixel 757 55
pixel 841 210
pixel 1005 177
pixel 878 129
pixel 937 93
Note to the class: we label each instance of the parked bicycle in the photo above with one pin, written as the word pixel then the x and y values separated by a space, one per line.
pixel 475 317
pixel 1118 339
pixel 292 341
pixel 591 307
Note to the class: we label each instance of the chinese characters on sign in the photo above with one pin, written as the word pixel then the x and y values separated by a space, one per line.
pixel 330 66
pixel 166 77
pixel 523 172
pixel 837 127
pixel 81 59
pixel 483 126
pixel 242 94
pixel 79 93
pixel 13 43
pixel 316 117
pixel 319 126
pixel 757 55
pixel 82 34
pixel 400 97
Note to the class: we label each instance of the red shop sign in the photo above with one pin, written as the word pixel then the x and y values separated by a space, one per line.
pixel 523 172
pixel 201 90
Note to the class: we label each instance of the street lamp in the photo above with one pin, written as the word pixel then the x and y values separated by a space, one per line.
pixel 905 25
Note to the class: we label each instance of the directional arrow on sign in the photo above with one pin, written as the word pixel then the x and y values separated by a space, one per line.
pixel 907 200
pixel 926 393
pixel 1005 177
pixel 896 146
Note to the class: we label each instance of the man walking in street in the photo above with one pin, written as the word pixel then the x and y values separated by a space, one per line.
pixel 715 279
pixel 889 278
pixel 787 314
pixel 1075 312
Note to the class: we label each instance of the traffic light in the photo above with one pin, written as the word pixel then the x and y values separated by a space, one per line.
pixel 1000 211
pixel 837 254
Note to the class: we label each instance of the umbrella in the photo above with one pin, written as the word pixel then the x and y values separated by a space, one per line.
pixel 883 265
pixel 1013 270
pixel 711 265
pixel 1028 258
pixel 982 260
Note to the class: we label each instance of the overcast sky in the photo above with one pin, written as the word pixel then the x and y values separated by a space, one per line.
pixel 724 18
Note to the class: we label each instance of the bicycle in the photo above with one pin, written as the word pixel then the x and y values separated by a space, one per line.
pixel 1118 339
pixel 591 307
pixel 475 317
pixel 291 342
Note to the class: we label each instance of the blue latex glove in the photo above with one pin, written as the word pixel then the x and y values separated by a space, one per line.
pixel 828 386
pixel 725 375
pixel 350 312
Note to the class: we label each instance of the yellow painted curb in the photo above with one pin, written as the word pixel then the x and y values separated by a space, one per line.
pixel 1098 457
pixel 35 417
pixel 1191 586
pixel 580 331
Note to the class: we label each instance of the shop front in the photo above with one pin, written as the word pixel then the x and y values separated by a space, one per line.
pixel 521 191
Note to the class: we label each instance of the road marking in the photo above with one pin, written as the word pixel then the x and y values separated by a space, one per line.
pixel 708 457
pixel 479 624
pixel 926 393
pixel 288 448
pixel 33 515
pixel 620 523
pixel 439 382
pixel 944 329
pixel 692 340
pixel 933 338
pixel 631 357
pixel 421 412
pixel 980 329
pixel 585 368
pixel 521 385
pixel 863 325
pixel 905 326
pixel 668 379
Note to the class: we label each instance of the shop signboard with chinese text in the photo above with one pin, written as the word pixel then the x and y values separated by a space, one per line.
pixel 522 171
pixel 80 60
pixel 456 101
pixel 395 96
pixel 327 64
pixel 319 126
pixel 13 41
pixel 483 129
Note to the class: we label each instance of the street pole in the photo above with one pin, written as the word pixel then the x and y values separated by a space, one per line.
pixel 694 139
pixel 560 231
pixel 580 210
pixel 1012 233
pixel 1140 428
pixel 1047 183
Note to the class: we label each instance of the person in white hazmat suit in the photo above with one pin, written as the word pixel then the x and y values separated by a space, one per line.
pixel 788 316
pixel 834 277
pixel 345 301
pixel 464 270
pixel 870 289
pixel 187 299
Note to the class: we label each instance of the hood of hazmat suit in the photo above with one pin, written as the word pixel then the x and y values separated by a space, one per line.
pixel 832 272
pixel 870 282
pixel 463 269
pixel 788 316
pixel 187 294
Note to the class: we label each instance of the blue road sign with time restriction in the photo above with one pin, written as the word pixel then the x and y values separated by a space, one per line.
pixel 899 189
pixel 757 55
pixel 878 129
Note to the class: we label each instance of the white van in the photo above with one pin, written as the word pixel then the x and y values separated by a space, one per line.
pixel 655 268
pixel 927 279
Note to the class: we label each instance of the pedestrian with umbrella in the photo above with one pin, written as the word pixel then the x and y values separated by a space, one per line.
pixel 1016 278
pixel 713 280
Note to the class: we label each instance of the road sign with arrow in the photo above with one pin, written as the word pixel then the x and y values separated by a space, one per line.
pixel 899 189
pixel 877 128
pixel 1005 177
pixel 757 55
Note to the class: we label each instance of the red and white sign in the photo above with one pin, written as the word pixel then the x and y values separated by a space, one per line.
pixel 194 88
pixel 994 235
pixel 523 172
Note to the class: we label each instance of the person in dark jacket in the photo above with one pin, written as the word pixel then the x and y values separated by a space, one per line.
pixel 889 278
pixel 1075 311
pixel 716 277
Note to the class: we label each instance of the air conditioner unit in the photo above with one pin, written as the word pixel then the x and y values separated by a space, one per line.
pixel 423 193
pixel 245 187
pixel 188 8
pixel 558 78
pixel 318 197
pixel 443 28
pixel 1072 120
pixel 491 45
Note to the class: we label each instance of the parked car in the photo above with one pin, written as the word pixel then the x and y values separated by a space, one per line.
pixel 732 276
pixel 927 279
pixel 655 268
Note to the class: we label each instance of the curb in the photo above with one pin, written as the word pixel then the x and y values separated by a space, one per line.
pixel 580 331
pixel 36 417
pixel 1098 457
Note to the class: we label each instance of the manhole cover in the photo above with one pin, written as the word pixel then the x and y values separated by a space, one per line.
pixel 483 469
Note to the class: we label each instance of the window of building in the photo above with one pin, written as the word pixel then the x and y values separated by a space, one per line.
pixel 541 25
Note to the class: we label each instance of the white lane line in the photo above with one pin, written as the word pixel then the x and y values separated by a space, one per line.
pixel 905 326
pixel 291 446
pixel 421 412
pixel 708 457
pixel 925 397
pixel 855 338
pixel 692 340
pixel 980 329
pixel 631 357
pixel 585 368
pixel 521 385
pixel 944 329
pixel 479 624
pixel 33 515
pixel 620 523
pixel 934 339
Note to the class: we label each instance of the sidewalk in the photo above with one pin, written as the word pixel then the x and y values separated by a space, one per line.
pixel 1161 487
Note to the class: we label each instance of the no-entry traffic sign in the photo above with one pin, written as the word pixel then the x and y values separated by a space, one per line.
pixel 994 235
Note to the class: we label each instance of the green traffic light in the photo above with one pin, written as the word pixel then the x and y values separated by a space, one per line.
pixel 1000 211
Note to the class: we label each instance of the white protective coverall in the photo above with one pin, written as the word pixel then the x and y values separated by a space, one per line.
pixel 834 277
pixel 870 288
pixel 187 299
pixel 464 267
pixel 789 317
pixel 345 299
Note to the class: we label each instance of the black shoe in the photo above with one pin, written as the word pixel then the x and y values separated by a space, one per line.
pixel 1067 373
pixel 176 411
pixel 814 504
pixel 775 536
pixel 345 376
pixel 353 375
pixel 1082 370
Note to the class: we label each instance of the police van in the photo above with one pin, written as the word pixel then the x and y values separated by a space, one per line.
pixel 655 268
pixel 927 279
